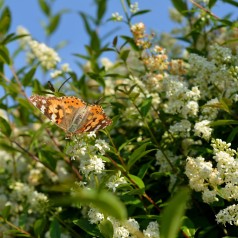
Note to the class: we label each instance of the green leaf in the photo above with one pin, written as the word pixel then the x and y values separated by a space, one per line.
pixel 12 37
pixel 54 23
pixel 5 128
pixel 106 228
pixel 141 12
pixel 124 55
pixel 5 20
pixel 232 135
pixel 145 106
pixel 28 76
pixel 44 7
pixel 171 220
pixel 211 3
pixel 188 227
pixel 39 226
pixel 47 158
pixel 102 7
pixel 114 42
pixel 87 227
pixel 137 181
pixel 181 7
pixel 106 202
pixel 95 41
pixel 86 23
pixel 137 154
pixel 4 55
pixel 232 2
pixel 223 123
pixel 97 78
pixel 5 213
pixel 55 229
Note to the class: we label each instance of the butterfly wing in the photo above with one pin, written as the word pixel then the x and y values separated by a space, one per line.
pixel 94 120
pixel 60 110
pixel 72 114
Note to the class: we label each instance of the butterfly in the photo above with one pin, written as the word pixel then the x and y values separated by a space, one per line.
pixel 72 114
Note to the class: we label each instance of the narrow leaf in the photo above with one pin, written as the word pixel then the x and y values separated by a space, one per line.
pixel 104 201
pixel 145 106
pixel 5 128
pixel 29 76
pixel 44 7
pixel 55 229
pixel 171 216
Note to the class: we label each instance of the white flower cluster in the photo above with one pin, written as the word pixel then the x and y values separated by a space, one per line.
pixel 47 56
pixel 228 215
pixel 203 130
pixel 89 150
pixel 126 229
pixel 181 100
pixel 38 202
pixel 217 75
pixel 217 178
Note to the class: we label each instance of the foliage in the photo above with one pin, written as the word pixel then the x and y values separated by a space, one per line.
pixel 167 163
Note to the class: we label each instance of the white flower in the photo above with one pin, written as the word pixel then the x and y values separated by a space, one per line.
pixel 181 128
pixel 152 230
pixel 203 130
pixel 95 216
pixel 209 196
pixel 228 215
pixel 65 67
pixel 115 181
pixel 134 7
pixel 93 164
pixel 56 73
pixel 116 17
pixel 132 225
pixel 102 146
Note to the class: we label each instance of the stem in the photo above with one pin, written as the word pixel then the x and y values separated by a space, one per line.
pixel 15 227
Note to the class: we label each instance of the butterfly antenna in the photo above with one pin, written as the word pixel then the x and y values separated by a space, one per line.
pixel 97 102
pixel 64 83
pixel 50 86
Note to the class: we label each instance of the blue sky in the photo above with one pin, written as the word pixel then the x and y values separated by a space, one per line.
pixel 28 14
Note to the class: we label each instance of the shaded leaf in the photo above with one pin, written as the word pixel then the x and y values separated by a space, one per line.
pixel 28 76
pixel 5 128
pixel 106 228
pixel 55 229
pixel 137 154
pixel 171 220
pixel 87 227
pixel 39 226
pixel 145 106
pixel 181 6
pixel 124 55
